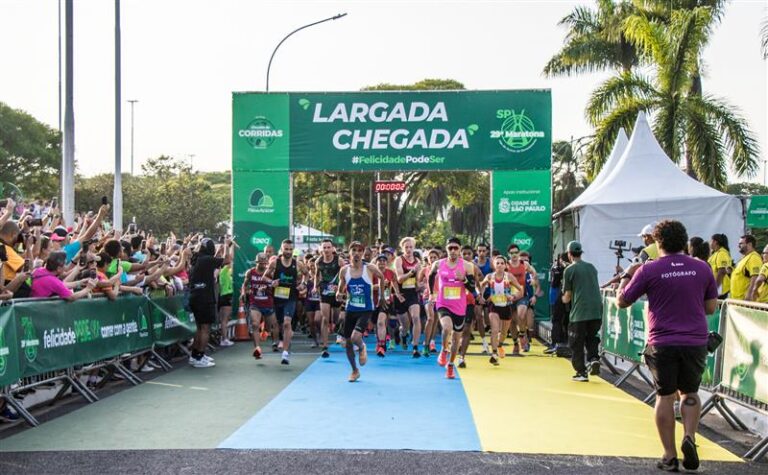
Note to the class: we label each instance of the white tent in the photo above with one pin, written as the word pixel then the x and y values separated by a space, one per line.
pixel 645 187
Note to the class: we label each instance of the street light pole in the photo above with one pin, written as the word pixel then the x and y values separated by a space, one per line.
pixel 132 102
pixel 117 194
pixel 269 66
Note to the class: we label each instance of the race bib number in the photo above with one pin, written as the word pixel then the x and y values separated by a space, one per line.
pixel 387 294
pixel 499 300
pixel 356 301
pixel 329 290
pixel 282 292
pixel 452 293
pixel 409 283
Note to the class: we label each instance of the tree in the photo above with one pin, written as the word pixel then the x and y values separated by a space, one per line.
pixel 30 153
pixel 706 130
pixel 567 176
pixel 595 41
pixel 764 40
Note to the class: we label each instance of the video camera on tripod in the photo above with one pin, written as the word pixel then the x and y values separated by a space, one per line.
pixel 619 247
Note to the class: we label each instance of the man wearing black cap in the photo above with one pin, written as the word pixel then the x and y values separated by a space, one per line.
pixel 582 291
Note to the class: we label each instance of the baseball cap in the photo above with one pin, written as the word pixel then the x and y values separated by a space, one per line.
pixel 61 231
pixel 382 257
pixel 574 246
pixel 647 230
pixel 57 236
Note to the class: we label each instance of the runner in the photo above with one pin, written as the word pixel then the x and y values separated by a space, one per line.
pixel 407 268
pixel 499 285
pixel 257 291
pixel 356 284
pixel 533 290
pixel 428 281
pixel 287 286
pixel 326 279
pixel 520 270
pixel 451 302
pixel 485 263
pixel 224 303
pixel 385 309
pixel 312 304
pixel 474 312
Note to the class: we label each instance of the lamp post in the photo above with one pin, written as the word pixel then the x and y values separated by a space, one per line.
pixel 269 66
pixel 132 102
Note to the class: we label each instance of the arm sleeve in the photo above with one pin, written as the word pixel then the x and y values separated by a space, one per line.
pixel 722 260
pixel 754 265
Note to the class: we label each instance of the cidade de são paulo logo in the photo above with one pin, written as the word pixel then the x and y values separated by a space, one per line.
pixel 260 133
pixel 517 132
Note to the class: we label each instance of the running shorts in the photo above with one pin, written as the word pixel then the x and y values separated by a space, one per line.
pixel 457 320
pixel 355 321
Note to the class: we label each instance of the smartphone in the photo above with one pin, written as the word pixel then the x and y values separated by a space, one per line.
pixel 53 202
pixel 83 260
pixel 104 200
pixel 35 222
pixel 27 265
pixel 162 249
pixel 143 245
pixel 3 253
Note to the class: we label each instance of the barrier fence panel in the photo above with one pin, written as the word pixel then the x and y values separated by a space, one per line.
pixel 745 352
pixel 56 335
pixel 9 351
pixel 171 323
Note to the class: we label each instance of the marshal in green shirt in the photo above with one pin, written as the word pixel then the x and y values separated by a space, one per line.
pixel 586 302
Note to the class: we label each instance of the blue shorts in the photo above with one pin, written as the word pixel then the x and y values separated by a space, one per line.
pixel 285 309
pixel 264 311
pixel 523 302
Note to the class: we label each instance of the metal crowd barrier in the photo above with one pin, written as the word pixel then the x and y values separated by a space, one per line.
pixel 45 341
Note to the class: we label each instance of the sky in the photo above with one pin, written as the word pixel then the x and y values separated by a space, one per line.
pixel 183 59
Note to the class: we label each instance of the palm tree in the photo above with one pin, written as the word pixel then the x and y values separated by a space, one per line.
pixel 595 41
pixel 702 128
pixel 568 178
pixel 764 41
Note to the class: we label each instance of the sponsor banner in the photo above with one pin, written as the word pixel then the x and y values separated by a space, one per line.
pixel 171 323
pixel 260 132
pixel 745 352
pixel 389 186
pixel 253 237
pixel 9 350
pixel 523 197
pixel 757 212
pixel 426 130
pixel 261 197
pixel 53 335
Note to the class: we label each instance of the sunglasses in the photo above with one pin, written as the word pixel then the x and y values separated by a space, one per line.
pixel 453 248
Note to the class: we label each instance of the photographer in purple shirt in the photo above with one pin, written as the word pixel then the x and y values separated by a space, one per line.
pixel 681 292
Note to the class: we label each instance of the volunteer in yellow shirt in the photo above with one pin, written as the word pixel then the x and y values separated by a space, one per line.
pixel 761 294
pixel 720 261
pixel 745 274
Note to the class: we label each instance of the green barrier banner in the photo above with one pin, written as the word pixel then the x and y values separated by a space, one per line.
pixel 623 332
pixel 757 212
pixel 170 322
pixel 9 351
pixel 53 335
pixel 395 130
pixel 708 378
pixel 745 352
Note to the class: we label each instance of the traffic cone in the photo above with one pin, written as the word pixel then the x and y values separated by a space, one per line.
pixel 241 326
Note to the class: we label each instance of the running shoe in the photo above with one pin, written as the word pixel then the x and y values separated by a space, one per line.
pixel 280 345
pixel 594 368
pixel 257 353
pixel 442 360
pixel 263 335
pixel 314 345
pixel 671 465
pixel 494 359
pixel 8 415
pixel 580 377
pixel 391 346
pixel 690 454
pixel 380 351
pixel 363 355
pixel 274 348
pixel 450 372
pixel 354 376
pixel 502 353
pixel 325 353
pixel 425 352
pixel 286 358
pixel 397 340
pixel 527 346
pixel 226 342
pixel 432 347
pixel 485 347
pixel 339 340
pixel 462 364
pixel 551 350
pixel 523 340
pixel 416 353
pixel 404 341
pixel 516 349
pixel 203 363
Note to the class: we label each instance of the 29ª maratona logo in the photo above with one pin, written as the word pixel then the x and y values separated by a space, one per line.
pixel 260 202
pixel 518 133
pixel 260 133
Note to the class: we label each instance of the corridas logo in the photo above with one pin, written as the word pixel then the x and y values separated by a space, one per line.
pixel 517 133
pixel 260 133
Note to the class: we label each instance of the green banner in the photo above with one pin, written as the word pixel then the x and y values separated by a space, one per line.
pixel 745 352
pixel 521 214
pixel 623 332
pixel 53 334
pixel 425 130
pixel 171 323
pixel 9 350
pixel 757 212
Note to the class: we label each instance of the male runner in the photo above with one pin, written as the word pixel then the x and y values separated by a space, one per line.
pixel 388 287
pixel 326 279
pixel 407 268
pixel 356 284
pixel 474 312
pixel 499 285
pixel 485 263
pixel 521 271
pixel 430 328
pixel 451 301
pixel 257 289
pixel 286 270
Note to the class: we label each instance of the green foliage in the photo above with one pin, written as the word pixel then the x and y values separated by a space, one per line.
pixel 423 85
pixel 30 154
pixel 746 189
pixel 167 197
pixel 568 178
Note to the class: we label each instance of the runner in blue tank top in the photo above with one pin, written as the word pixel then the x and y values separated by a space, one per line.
pixel 356 285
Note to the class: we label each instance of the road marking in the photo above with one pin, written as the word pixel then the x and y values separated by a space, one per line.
pixel 165 384
pixel 198 388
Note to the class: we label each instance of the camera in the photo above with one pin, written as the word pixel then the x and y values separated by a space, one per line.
pixel 104 200
pixel 35 222
pixel 3 253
